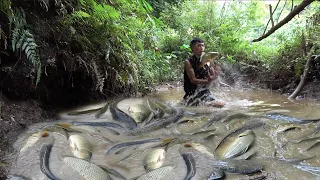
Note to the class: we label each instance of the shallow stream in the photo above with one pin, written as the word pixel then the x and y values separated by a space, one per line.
pixel 276 142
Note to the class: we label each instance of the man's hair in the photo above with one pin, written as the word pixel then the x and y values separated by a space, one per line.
pixel 195 41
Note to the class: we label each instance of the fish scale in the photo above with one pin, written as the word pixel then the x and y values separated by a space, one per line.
pixel 239 166
pixel 156 174
pixel 86 169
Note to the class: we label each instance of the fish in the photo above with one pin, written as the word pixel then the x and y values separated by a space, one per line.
pixel 100 138
pixel 154 159
pixel 86 169
pixel 131 143
pixel 44 160
pixel 166 108
pixel 207 57
pixel 215 117
pixel 209 137
pixel 202 132
pixel 199 147
pixel 313 145
pixel 254 123
pixel 102 110
pixel 295 159
pixel 156 174
pixel 120 116
pixel 85 129
pixel 235 116
pixel 100 124
pixel 247 155
pixel 198 110
pixel 112 172
pixel 216 174
pixel 158 124
pixel 139 112
pixel 159 112
pixel 286 127
pixel 304 138
pixel 57 129
pixel 191 165
pixel 74 113
pixel 311 169
pixel 161 144
pixel 111 131
pixel 259 176
pixel 282 117
pixel 30 141
pixel 317 129
pixel 238 166
pixel 16 177
pixel 80 147
pixel 148 119
pixel 68 127
pixel 186 121
pixel 240 145
pixel 132 155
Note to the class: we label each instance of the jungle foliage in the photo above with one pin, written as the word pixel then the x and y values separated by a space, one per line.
pixel 125 45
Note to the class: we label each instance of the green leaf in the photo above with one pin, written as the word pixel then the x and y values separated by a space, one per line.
pixel 81 14
pixel 184 46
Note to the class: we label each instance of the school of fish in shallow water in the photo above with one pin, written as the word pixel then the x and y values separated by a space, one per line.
pixel 157 140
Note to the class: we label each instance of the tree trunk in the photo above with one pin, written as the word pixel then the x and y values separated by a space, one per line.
pixel 303 77
pixel 291 15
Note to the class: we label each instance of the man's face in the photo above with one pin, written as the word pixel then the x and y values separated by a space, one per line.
pixel 198 48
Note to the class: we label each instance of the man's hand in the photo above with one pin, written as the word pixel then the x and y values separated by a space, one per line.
pixel 217 71
pixel 211 77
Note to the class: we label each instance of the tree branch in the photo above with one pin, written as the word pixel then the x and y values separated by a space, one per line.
pixel 285 3
pixel 271 16
pixel 291 15
pixel 303 77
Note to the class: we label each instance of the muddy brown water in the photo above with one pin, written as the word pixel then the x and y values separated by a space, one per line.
pixel 270 142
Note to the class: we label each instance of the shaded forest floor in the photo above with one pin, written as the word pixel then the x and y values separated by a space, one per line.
pixel 17 116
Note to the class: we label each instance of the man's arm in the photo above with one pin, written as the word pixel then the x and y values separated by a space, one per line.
pixel 192 76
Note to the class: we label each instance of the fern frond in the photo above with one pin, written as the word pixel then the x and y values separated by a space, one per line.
pixel 23 40
pixel 3 37
pixel 5 6
pixel 38 67
pixel 20 41
pixel 15 38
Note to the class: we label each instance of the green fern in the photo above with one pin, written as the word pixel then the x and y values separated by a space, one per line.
pixel 5 6
pixel 23 40
pixel 3 37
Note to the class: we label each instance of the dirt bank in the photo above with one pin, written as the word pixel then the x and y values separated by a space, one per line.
pixel 15 117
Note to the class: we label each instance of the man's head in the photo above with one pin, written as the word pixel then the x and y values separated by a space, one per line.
pixel 197 46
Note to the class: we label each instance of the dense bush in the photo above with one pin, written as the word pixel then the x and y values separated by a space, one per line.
pixel 130 44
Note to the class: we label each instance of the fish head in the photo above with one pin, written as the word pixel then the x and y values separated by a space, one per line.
pixel 65 125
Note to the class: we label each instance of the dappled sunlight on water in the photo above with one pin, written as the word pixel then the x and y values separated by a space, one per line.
pixel 276 143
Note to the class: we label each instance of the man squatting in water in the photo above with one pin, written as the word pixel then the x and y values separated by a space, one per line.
pixel 197 79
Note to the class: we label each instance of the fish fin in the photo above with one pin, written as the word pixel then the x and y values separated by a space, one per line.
pixel 102 110
pixel 112 172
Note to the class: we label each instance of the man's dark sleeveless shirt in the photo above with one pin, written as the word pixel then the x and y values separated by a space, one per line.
pixel 200 73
